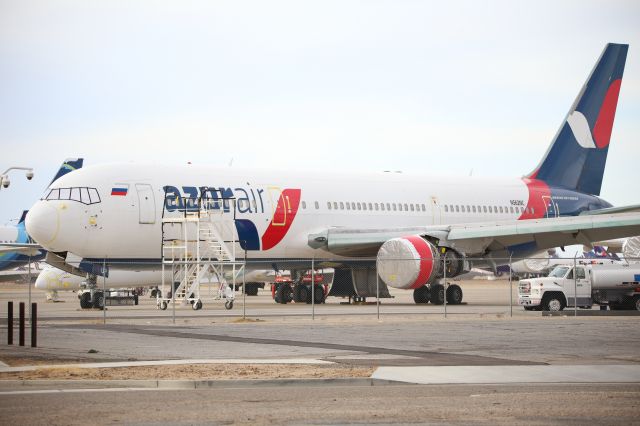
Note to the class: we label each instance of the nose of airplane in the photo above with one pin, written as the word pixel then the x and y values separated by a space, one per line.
pixel 42 223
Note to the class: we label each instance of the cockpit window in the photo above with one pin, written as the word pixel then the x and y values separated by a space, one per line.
pixel 82 195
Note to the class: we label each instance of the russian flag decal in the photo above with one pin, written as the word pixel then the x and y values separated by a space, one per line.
pixel 121 191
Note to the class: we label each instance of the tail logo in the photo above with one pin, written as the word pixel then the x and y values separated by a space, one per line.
pixel 580 128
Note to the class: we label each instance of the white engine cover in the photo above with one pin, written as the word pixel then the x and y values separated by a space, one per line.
pixel 407 262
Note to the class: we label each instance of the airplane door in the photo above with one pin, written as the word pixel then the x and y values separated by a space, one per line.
pixel 279 206
pixel 146 203
pixel 436 211
pixel 551 207
pixel 284 206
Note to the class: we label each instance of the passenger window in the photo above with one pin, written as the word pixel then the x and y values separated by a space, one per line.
pixel 358 206
pixel 411 207
pixel 406 208
pixel 424 209
pixel 457 209
pixel 329 205
pixel 500 209
pixel 484 209
pixel 317 205
pixel 353 205
pixel 389 207
pixel 474 209
pixel 376 206
pixel 341 205
pixel 446 208
pixel 348 206
pixel 364 206
pixel 65 193
pixel 335 205
pixel 371 206
pixel 304 205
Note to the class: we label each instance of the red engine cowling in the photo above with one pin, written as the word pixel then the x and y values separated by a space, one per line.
pixel 408 262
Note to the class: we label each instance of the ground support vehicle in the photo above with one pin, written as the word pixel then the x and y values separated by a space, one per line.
pixel 614 285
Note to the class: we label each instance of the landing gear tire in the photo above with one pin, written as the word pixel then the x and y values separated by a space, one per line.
pixel 284 294
pixel 421 295
pixel 228 304
pixel 85 301
pixel 529 308
pixel 251 290
pixel 318 294
pixel 437 294
pixel 454 295
pixel 98 300
pixel 197 305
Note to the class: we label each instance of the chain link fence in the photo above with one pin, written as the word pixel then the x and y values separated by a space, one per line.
pixel 256 288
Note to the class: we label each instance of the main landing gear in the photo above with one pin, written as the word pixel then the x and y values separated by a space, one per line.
pixel 435 293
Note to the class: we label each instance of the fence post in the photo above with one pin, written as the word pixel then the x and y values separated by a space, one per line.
pixel 104 293
pixel 9 323
pixel 510 286
pixel 575 286
pixel 34 325
pixel 377 292
pixel 21 325
pixel 444 282
pixel 313 286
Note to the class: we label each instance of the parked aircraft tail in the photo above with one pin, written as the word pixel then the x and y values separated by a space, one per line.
pixel 69 165
pixel 578 153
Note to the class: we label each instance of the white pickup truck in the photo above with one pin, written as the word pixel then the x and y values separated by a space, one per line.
pixel 615 285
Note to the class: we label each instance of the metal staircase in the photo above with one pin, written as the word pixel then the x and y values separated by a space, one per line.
pixel 199 244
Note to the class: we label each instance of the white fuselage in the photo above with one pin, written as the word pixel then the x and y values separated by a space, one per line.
pixel 128 225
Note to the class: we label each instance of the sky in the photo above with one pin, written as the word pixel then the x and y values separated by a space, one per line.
pixel 438 88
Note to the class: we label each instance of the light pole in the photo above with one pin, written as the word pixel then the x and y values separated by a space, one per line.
pixel 4 177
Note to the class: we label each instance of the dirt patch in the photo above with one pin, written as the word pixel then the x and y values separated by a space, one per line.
pixel 197 372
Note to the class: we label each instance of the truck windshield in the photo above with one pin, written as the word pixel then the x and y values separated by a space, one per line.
pixel 559 271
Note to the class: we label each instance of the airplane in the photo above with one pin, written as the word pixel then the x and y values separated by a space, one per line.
pixel 411 231
pixel 16 247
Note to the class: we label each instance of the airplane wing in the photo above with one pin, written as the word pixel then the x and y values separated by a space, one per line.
pixel 486 239
pixel 27 249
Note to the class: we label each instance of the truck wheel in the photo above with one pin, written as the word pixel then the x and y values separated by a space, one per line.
pixel 454 295
pixel 421 295
pixel 437 294
pixel 85 301
pixel 553 303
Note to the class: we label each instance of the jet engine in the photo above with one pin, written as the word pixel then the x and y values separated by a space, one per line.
pixel 411 262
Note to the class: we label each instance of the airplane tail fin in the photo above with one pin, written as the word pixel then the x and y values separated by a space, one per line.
pixel 23 217
pixel 69 165
pixel 578 152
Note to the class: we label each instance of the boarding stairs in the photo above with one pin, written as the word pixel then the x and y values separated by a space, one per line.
pixel 198 244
